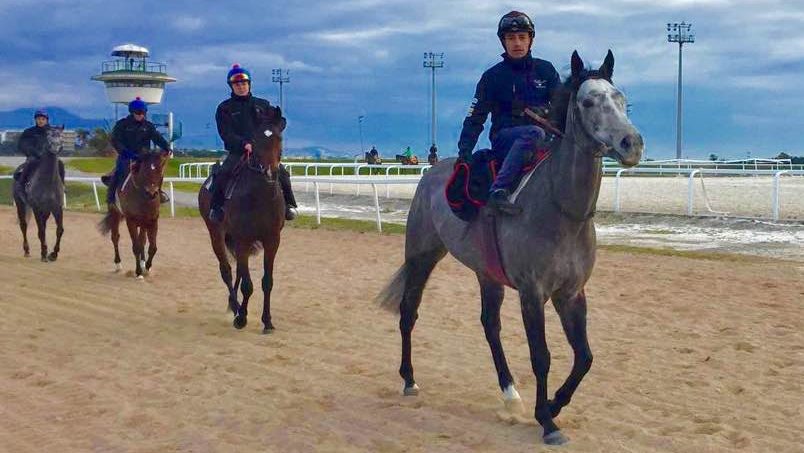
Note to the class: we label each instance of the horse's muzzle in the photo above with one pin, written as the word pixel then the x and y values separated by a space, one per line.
pixel 628 151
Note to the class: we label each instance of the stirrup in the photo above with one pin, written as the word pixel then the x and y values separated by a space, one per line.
pixel 163 198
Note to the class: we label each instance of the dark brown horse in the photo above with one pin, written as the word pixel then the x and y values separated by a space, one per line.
pixel 138 198
pixel 44 195
pixel 254 217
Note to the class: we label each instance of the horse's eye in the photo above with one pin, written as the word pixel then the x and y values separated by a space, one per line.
pixel 588 103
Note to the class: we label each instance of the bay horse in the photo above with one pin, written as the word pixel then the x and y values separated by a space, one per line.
pixel 44 195
pixel 254 217
pixel 547 251
pixel 138 203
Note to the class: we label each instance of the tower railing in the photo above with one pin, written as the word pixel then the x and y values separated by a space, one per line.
pixel 133 66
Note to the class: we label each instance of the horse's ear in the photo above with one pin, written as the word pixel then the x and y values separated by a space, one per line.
pixel 607 68
pixel 576 64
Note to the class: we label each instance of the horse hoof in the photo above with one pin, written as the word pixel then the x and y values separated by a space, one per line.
pixel 53 257
pixel 555 438
pixel 43 259
pixel 239 322
pixel 140 277
pixel 413 390
pixel 118 267
pixel 267 330
pixel 27 254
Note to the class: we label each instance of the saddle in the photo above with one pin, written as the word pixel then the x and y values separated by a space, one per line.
pixel 468 188
pixel 233 180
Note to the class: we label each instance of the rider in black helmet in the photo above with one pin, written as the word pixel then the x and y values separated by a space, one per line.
pixel 518 83
pixel 237 119
pixel 32 144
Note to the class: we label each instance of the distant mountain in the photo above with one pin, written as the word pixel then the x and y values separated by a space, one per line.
pixel 22 118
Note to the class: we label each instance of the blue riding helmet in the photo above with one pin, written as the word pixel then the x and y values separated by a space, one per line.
pixel 137 105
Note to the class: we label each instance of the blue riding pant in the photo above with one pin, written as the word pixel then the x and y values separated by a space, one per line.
pixel 514 147
pixel 121 167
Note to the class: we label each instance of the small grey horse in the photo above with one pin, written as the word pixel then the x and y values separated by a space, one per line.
pixel 546 252
pixel 44 195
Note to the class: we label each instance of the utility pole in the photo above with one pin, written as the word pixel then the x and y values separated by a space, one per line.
pixel 280 76
pixel 433 61
pixel 680 33
pixel 360 127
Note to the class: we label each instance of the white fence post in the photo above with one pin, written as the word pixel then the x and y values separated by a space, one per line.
pixel 65 198
pixel 617 189
pixel 172 201
pixel 777 179
pixel 377 208
pixel 691 191
pixel 95 191
pixel 317 206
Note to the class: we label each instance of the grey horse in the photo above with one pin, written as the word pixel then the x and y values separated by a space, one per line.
pixel 44 195
pixel 547 251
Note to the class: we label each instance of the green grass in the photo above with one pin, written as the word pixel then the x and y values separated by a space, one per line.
pixel 191 187
pixel 697 255
pixel 4 170
pixel 101 165
pixel 79 196
pixel 307 222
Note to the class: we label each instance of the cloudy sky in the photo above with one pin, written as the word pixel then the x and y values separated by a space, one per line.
pixel 742 84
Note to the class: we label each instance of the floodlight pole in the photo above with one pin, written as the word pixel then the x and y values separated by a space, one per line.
pixel 433 61
pixel 280 76
pixel 680 33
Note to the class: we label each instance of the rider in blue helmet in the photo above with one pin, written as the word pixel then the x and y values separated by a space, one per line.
pixel 132 136
pixel 518 83
pixel 238 118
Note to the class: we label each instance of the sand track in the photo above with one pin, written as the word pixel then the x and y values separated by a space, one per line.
pixel 690 355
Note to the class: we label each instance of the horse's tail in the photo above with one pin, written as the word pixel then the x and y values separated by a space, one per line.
pixel 105 225
pixel 391 295
pixel 256 246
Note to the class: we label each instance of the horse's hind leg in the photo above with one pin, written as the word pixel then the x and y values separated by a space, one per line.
pixel 58 216
pixel 491 297
pixel 41 226
pixel 151 233
pixel 416 271
pixel 572 312
pixel 22 215
pixel 242 251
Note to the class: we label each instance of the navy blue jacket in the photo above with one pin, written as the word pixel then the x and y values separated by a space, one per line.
pixel 33 141
pixel 239 117
pixel 505 90
pixel 130 137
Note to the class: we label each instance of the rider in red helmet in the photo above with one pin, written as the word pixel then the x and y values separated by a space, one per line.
pixel 237 119
pixel 518 83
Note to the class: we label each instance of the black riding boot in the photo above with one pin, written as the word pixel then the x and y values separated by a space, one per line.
pixel 287 191
pixel 216 213
pixel 498 200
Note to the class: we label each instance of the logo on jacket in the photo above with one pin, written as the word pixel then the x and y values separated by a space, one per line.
pixel 540 83
pixel 472 107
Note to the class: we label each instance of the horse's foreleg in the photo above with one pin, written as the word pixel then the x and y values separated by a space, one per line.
pixel 141 239
pixel 491 297
pixel 246 286
pixel 216 237
pixel 136 246
pixel 532 304
pixel 572 311
pixel 22 215
pixel 268 283
pixel 58 216
pixel 41 226
pixel 151 232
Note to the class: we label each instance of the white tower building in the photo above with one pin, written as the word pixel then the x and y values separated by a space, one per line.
pixel 131 75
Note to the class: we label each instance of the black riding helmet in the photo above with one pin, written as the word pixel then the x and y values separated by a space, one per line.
pixel 515 22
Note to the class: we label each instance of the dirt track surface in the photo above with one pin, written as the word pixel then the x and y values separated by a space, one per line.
pixel 690 355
